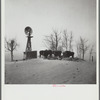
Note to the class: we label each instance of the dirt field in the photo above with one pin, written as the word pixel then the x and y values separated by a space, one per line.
pixel 43 71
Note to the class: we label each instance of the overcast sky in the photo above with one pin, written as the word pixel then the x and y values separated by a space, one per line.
pixel 78 16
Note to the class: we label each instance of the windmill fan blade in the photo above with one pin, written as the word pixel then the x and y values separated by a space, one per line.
pixel 28 30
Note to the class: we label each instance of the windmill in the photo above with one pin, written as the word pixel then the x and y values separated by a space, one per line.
pixel 28 32
pixel 29 54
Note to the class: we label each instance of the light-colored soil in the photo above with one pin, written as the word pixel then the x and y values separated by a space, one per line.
pixel 43 71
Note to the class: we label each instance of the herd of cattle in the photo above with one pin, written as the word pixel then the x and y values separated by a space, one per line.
pixel 60 54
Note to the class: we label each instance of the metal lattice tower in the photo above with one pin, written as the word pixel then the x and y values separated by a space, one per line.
pixel 28 32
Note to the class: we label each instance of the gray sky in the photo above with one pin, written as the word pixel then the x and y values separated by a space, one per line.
pixel 78 16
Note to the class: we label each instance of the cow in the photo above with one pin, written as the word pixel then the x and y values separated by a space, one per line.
pixel 41 53
pixel 49 52
pixel 57 53
pixel 46 53
pixel 68 54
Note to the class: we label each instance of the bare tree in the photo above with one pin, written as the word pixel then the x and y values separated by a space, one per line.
pixel 49 40
pixel 65 40
pixel 53 40
pixel 11 46
pixel 60 48
pixel 78 49
pixel 83 46
pixel 57 38
pixel 70 41
pixel 91 52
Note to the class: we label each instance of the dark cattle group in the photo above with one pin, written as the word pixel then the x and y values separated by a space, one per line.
pixel 56 53
pixel 68 54
pixel 49 53
pixel 46 53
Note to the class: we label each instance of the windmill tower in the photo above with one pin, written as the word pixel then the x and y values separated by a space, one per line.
pixel 29 54
pixel 28 32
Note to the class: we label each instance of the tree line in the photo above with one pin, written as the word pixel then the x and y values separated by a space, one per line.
pixel 64 41
pixel 58 40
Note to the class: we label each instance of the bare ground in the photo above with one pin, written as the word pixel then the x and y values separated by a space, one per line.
pixel 43 71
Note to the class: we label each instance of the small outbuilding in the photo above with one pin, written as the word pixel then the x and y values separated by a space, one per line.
pixel 30 54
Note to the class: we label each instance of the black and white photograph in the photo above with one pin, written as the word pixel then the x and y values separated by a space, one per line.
pixel 50 42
